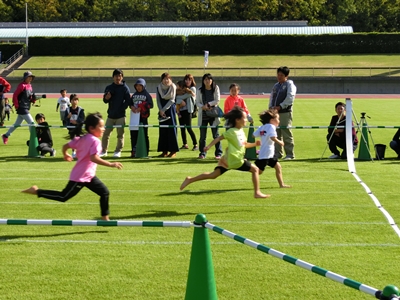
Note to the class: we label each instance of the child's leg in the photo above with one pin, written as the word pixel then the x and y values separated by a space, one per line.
pixel 98 187
pixel 214 174
pixel 67 193
pixel 256 182
pixel 44 148
pixel 278 173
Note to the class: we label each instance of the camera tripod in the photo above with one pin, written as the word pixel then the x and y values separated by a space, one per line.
pixel 362 126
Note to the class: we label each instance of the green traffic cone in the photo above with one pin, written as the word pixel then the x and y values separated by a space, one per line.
pixel 33 142
pixel 251 153
pixel 201 281
pixel 364 152
pixel 141 148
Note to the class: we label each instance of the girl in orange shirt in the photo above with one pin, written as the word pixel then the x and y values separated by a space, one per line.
pixel 235 100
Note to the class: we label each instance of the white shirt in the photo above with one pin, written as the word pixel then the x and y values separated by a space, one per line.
pixel 266 132
pixel 64 103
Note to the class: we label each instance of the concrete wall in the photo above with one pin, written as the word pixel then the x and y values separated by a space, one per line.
pixel 249 85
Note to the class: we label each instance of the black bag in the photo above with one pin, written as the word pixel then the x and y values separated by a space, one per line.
pixel 215 112
pixel 194 113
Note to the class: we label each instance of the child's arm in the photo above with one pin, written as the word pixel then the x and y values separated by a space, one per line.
pixel 252 145
pixel 66 155
pixel 98 160
pixel 58 105
pixel 275 139
pixel 216 140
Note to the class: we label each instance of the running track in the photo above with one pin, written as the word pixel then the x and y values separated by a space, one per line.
pixel 298 96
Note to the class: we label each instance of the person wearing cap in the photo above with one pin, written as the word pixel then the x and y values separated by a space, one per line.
pixel 22 99
pixel 117 95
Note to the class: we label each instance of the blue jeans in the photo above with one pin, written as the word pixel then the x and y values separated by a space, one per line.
pixel 203 137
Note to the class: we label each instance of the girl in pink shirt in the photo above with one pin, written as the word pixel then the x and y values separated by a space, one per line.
pixel 88 148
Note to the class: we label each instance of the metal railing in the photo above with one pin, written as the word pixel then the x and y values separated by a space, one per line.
pixel 218 72
pixel 13 58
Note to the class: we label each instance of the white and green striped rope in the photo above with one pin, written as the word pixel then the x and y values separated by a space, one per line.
pixel 295 261
pixel 221 126
pixel 96 223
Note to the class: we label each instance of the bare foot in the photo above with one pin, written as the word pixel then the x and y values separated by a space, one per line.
pixel 105 218
pixel 185 183
pixel 32 190
pixel 285 186
pixel 261 195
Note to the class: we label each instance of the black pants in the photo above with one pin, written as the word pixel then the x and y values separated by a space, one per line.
pixel 135 134
pixel 73 188
pixel 186 120
pixel 338 142
pixel 8 115
pixel 203 137
pixel 44 148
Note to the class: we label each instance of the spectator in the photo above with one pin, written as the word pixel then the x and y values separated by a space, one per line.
pixel 208 97
pixel 186 98
pixel 282 99
pixel 63 103
pixel 5 87
pixel 44 137
pixel 118 96
pixel 141 103
pixel 74 116
pixel 167 141
pixel 395 143
pixel 337 136
pixel 235 100
pixel 7 108
pixel 22 98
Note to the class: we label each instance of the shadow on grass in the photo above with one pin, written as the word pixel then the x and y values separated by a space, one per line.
pixel 5 238
pixel 31 159
pixel 204 192
pixel 164 214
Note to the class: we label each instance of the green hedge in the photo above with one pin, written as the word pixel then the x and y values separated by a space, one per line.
pixel 138 45
pixel 355 43
pixel 8 50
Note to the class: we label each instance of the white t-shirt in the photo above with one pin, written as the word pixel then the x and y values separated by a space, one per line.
pixel 266 132
pixel 64 103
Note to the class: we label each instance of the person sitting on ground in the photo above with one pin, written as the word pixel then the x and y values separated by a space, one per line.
pixel 44 137
pixel 337 136
pixel 395 143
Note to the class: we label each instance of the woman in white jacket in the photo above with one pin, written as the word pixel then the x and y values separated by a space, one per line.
pixel 207 97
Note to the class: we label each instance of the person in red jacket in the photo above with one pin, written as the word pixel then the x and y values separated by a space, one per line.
pixel 235 100
pixel 5 87
pixel 22 99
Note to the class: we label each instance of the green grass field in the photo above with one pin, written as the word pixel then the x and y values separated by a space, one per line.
pixel 220 66
pixel 215 61
pixel 326 219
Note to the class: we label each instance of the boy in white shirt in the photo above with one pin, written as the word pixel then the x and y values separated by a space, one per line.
pixel 63 103
pixel 267 133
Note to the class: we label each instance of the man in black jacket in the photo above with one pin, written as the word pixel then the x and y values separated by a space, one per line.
pixel 117 96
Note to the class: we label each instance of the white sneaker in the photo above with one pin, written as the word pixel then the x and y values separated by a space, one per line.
pixel 73 155
pixel 103 154
pixel 288 158
pixel 117 154
pixel 334 156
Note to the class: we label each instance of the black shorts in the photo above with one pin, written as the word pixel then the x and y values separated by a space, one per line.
pixel 262 163
pixel 245 167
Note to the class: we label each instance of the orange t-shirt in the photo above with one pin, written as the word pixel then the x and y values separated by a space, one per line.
pixel 231 102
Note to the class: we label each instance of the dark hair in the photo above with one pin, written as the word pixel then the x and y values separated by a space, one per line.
pixel 233 85
pixel 72 96
pixel 233 115
pixel 213 85
pixel 340 103
pixel 117 72
pixel 63 90
pixel 91 120
pixel 181 84
pixel 190 76
pixel 166 74
pixel 267 115
pixel 284 70
pixel 39 116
